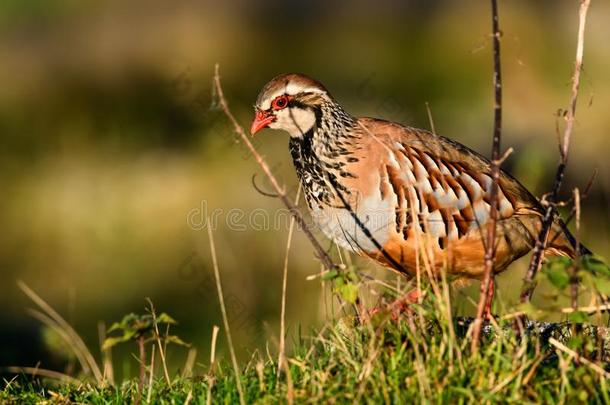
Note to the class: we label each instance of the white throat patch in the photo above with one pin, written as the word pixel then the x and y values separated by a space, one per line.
pixel 296 121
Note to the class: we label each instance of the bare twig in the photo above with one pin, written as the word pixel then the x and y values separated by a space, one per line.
pixel 260 190
pixel 549 213
pixel 490 251
pixel 320 252
pixel 225 318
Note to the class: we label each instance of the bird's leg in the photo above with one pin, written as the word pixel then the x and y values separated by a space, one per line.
pixel 398 306
pixel 402 304
pixel 489 299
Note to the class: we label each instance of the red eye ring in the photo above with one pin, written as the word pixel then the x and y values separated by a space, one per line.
pixel 280 102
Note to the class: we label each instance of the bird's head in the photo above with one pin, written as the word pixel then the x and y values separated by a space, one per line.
pixel 290 102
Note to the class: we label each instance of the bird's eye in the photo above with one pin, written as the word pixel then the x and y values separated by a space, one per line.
pixel 280 103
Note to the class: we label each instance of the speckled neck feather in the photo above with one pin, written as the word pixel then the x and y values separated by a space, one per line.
pixel 316 155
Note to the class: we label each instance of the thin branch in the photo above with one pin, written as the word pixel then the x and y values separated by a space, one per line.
pixel 320 252
pixel 225 318
pixel 260 190
pixel 490 252
pixel 550 212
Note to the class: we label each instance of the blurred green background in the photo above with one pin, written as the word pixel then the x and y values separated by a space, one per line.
pixel 110 140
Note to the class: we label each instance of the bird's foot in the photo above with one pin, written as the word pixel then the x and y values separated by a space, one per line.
pixel 398 307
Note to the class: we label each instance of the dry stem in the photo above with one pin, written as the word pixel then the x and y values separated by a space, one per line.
pixel 282 349
pixel 549 214
pixel 490 251
pixel 36 371
pixel 578 358
pixel 52 319
pixel 215 330
pixel 159 344
pixel 225 318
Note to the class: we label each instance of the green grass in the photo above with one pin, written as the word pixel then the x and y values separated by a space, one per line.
pixel 421 358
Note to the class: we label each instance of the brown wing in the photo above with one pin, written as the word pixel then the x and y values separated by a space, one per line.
pixel 443 189
pixel 451 183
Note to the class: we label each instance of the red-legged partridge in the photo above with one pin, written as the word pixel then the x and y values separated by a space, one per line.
pixel 382 189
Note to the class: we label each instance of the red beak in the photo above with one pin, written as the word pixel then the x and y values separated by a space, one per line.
pixel 262 119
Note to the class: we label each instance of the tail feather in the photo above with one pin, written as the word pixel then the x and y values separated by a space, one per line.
pixel 561 242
